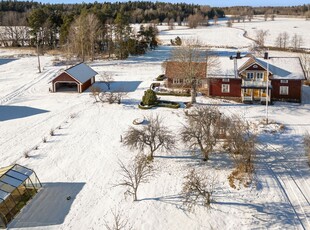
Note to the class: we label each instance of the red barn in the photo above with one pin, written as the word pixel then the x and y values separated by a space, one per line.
pixel 77 79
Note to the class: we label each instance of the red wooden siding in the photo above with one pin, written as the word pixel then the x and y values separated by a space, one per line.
pixel 64 77
pixel 294 90
pixel 86 85
pixel 216 88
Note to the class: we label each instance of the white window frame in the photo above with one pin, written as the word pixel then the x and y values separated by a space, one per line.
pixel 284 81
pixel 259 76
pixel 225 80
pixel 250 75
pixel 225 88
pixel 177 81
pixel 284 90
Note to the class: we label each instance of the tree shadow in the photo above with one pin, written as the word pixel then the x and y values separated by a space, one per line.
pixel 176 200
pixel 119 86
pixel 49 207
pixel 16 112
pixel 272 214
pixel 4 61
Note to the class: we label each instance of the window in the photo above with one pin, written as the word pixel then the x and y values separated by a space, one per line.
pixel 255 66
pixel 259 76
pixel 225 80
pixel 283 90
pixel 250 76
pixel 225 88
pixel 177 81
pixel 284 81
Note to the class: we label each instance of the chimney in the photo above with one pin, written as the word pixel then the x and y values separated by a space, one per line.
pixel 266 55
pixel 238 55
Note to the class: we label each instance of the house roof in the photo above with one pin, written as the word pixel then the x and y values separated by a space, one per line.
pixel 279 67
pixel 176 69
pixel 81 72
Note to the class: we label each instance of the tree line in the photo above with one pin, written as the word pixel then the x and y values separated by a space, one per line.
pixel 89 29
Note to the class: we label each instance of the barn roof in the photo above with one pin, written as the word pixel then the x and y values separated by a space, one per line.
pixel 176 69
pixel 81 72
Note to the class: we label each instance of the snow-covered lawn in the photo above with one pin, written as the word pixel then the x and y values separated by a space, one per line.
pixel 81 159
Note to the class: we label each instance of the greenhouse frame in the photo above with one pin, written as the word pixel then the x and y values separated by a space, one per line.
pixel 18 185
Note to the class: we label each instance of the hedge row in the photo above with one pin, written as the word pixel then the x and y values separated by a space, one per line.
pixel 173 94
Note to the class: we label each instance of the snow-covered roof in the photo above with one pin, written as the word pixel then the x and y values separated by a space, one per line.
pixel 225 67
pixel 280 67
pixel 81 72
pixel 284 68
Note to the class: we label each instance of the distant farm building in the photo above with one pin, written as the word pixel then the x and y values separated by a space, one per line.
pixel 18 185
pixel 77 78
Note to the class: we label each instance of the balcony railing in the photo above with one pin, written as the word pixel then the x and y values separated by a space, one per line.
pixel 255 84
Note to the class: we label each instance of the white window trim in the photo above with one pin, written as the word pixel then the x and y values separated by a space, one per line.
pixel 177 81
pixel 225 88
pixel 261 75
pixel 284 81
pixel 225 80
pixel 284 90
pixel 250 75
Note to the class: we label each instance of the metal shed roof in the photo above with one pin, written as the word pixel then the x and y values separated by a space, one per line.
pixel 81 72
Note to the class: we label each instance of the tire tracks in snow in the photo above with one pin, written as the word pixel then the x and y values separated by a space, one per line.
pixel 293 192
pixel 7 98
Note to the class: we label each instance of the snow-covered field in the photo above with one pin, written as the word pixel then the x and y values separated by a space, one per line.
pixel 292 26
pixel 81 159
pixel 220 35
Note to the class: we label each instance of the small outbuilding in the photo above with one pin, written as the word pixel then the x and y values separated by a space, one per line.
pixel 77 78
pixel 18 185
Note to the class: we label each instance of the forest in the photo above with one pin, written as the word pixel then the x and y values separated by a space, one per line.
pixel 90 29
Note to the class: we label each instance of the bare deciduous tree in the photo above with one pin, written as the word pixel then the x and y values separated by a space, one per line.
pixel 305 61
pixel 139 171
pixel 307 145
pixel 107 79
pixel 241 146
pixel 191 54
pixel 151 137
pixel 260 37
pixel 95 92
pixel 195 20
pixel 296 41
pixel 118 221
pixel 202 129
pixel 83 35
pixel 198 189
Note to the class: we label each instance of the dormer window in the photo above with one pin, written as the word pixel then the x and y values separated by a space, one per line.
pixel 250 76
pixel 259 76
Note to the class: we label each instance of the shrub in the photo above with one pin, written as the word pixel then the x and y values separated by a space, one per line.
pixel 26 153
pixel 44 139
pixel 173 94
pixel 52 132
pixel 36 147
pixel 168 104
pixel 161 77
pixel 149 97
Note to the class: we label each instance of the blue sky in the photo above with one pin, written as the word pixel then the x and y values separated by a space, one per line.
pixel 209 2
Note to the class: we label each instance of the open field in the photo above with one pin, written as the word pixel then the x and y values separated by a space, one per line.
pixel 81 159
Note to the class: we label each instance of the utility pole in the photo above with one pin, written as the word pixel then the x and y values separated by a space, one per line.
pixel 267 90
pixel 38 54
